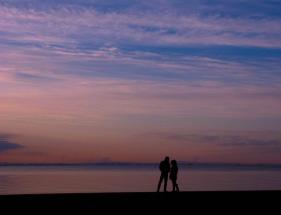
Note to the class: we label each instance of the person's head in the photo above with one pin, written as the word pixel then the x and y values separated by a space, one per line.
pixel 174 163
pixel 167 159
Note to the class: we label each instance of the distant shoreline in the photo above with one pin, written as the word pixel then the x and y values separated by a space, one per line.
pixel 183 165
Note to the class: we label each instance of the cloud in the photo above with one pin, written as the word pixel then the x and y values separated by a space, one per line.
pixel 222 140
pixel 85 40
pixel 54 64
pixel 6 144
pixel 72 26
pixel 92 100
pixel 34 78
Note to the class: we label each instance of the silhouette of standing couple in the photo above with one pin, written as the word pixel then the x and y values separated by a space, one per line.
pixel 165 169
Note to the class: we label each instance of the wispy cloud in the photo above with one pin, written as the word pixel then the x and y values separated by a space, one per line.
pixel 71 26
pixel 58 63
pixel 89 41
pixel 6 144
pixel 250 140
pixel 30 77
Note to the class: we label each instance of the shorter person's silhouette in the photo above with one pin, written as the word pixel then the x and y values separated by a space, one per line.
pixel 165 169
pixel 174 175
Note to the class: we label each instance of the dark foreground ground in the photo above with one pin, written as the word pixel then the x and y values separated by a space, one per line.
pixel 181 203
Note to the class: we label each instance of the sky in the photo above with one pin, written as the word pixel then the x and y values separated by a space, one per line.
pixel 136 80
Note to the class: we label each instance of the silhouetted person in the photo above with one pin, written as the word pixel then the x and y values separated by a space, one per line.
pixel 174 175
pixel 165 169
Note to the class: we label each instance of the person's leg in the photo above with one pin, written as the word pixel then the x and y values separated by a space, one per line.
pixel 165 183
pixel 160 182
pixel 174 185
pixel 177 186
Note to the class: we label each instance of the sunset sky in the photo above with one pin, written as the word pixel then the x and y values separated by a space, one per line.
pixel 135 80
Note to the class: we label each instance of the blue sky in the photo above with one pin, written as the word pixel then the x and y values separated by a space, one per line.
pixel 132 67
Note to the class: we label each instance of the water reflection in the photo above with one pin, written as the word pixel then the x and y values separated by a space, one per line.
pixel 19 180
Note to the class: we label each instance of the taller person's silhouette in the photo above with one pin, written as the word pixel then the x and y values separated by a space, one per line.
pixel 165 169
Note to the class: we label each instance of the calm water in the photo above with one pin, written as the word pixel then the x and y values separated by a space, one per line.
pixel 79 179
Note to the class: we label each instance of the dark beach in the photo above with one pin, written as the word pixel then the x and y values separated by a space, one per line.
pixel 141 202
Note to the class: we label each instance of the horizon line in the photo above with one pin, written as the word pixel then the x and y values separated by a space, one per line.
pixel 185 163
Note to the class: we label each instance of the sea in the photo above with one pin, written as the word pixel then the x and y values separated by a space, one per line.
pixel 108 178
